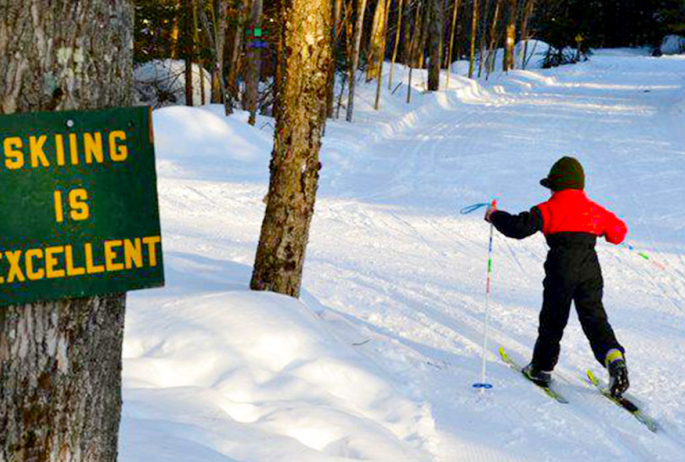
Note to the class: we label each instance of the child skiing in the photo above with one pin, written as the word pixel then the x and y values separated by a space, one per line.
pixel 571 224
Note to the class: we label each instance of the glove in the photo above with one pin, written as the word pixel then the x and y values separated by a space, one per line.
pixel 491 208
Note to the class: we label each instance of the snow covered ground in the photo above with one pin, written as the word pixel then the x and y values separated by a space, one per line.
pixel 377 360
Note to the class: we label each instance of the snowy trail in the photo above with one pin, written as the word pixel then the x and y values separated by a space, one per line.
pixel 491 148
pixel 398 276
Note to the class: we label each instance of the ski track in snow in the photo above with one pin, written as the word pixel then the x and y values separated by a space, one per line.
pixel 397 273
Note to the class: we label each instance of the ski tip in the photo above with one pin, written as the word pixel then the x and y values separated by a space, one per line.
pixel 591 377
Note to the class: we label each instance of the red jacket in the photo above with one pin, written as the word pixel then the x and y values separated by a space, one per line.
pixel 570 210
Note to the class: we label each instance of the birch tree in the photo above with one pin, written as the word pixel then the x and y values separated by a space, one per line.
pixel 305 58
pixel 60 361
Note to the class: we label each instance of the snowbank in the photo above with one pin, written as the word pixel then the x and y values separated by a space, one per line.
pixel 535 53
pixel 378 362
pixel 257 376
pixel 204 143
pixel 162 82
pixel 672 45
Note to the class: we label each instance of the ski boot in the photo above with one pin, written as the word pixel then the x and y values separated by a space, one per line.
pixel 618 372
pixel 535 375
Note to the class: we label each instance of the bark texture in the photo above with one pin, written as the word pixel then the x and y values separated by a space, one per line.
pixel 60 362
pixel 65 54
pixel 60 380
pixel 189 48
pixel 253 62
pixel 437 23
pixel 300 118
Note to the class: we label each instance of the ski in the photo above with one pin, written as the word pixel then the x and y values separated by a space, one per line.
pixel 548 391
pixel 623 402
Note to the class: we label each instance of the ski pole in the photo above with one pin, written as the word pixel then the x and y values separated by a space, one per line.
pixel 644 255
pixel 483 385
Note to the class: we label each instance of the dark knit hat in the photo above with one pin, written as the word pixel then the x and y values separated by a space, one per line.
pixel 566 173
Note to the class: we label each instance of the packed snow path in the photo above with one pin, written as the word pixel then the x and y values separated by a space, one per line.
pixel 397 276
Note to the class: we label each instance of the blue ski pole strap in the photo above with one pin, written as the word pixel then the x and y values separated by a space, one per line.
pixel 472 208
pixel 482 385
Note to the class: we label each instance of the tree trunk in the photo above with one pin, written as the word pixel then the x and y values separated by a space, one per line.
pixel 451 47
pixel 490 60
pixel 335 35
pixel 382 55
pixel 354 61
pixel 485 12
pixel 474 33
pixel 232 80
pixel 376 40
pixel 188 49
pixel 413 47
pixel 60 362
pixel 527 12
pixel 216 34
pixel 423 37
pixel 510 41
pixel 397 43
pixel 253 62
pixel 173 42
pixel 437 24
pixel 300 120
pixel 406 45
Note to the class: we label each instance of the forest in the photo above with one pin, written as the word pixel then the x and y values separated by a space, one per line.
pixel 238 41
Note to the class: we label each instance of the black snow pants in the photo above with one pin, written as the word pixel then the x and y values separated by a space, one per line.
pixel 572 274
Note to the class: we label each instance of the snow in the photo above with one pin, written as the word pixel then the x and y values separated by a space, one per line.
pixel 672 45
pixel 162 82
pixel 377 359
pixel 535 53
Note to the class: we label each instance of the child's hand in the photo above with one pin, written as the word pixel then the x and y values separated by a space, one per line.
pixel 491 208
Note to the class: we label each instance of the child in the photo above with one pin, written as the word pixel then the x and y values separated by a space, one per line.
pixel 571 223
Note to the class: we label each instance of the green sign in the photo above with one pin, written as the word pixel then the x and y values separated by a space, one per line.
pixel 78 205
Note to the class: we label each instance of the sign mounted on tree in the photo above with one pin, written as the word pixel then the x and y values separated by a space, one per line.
pixel 79 214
